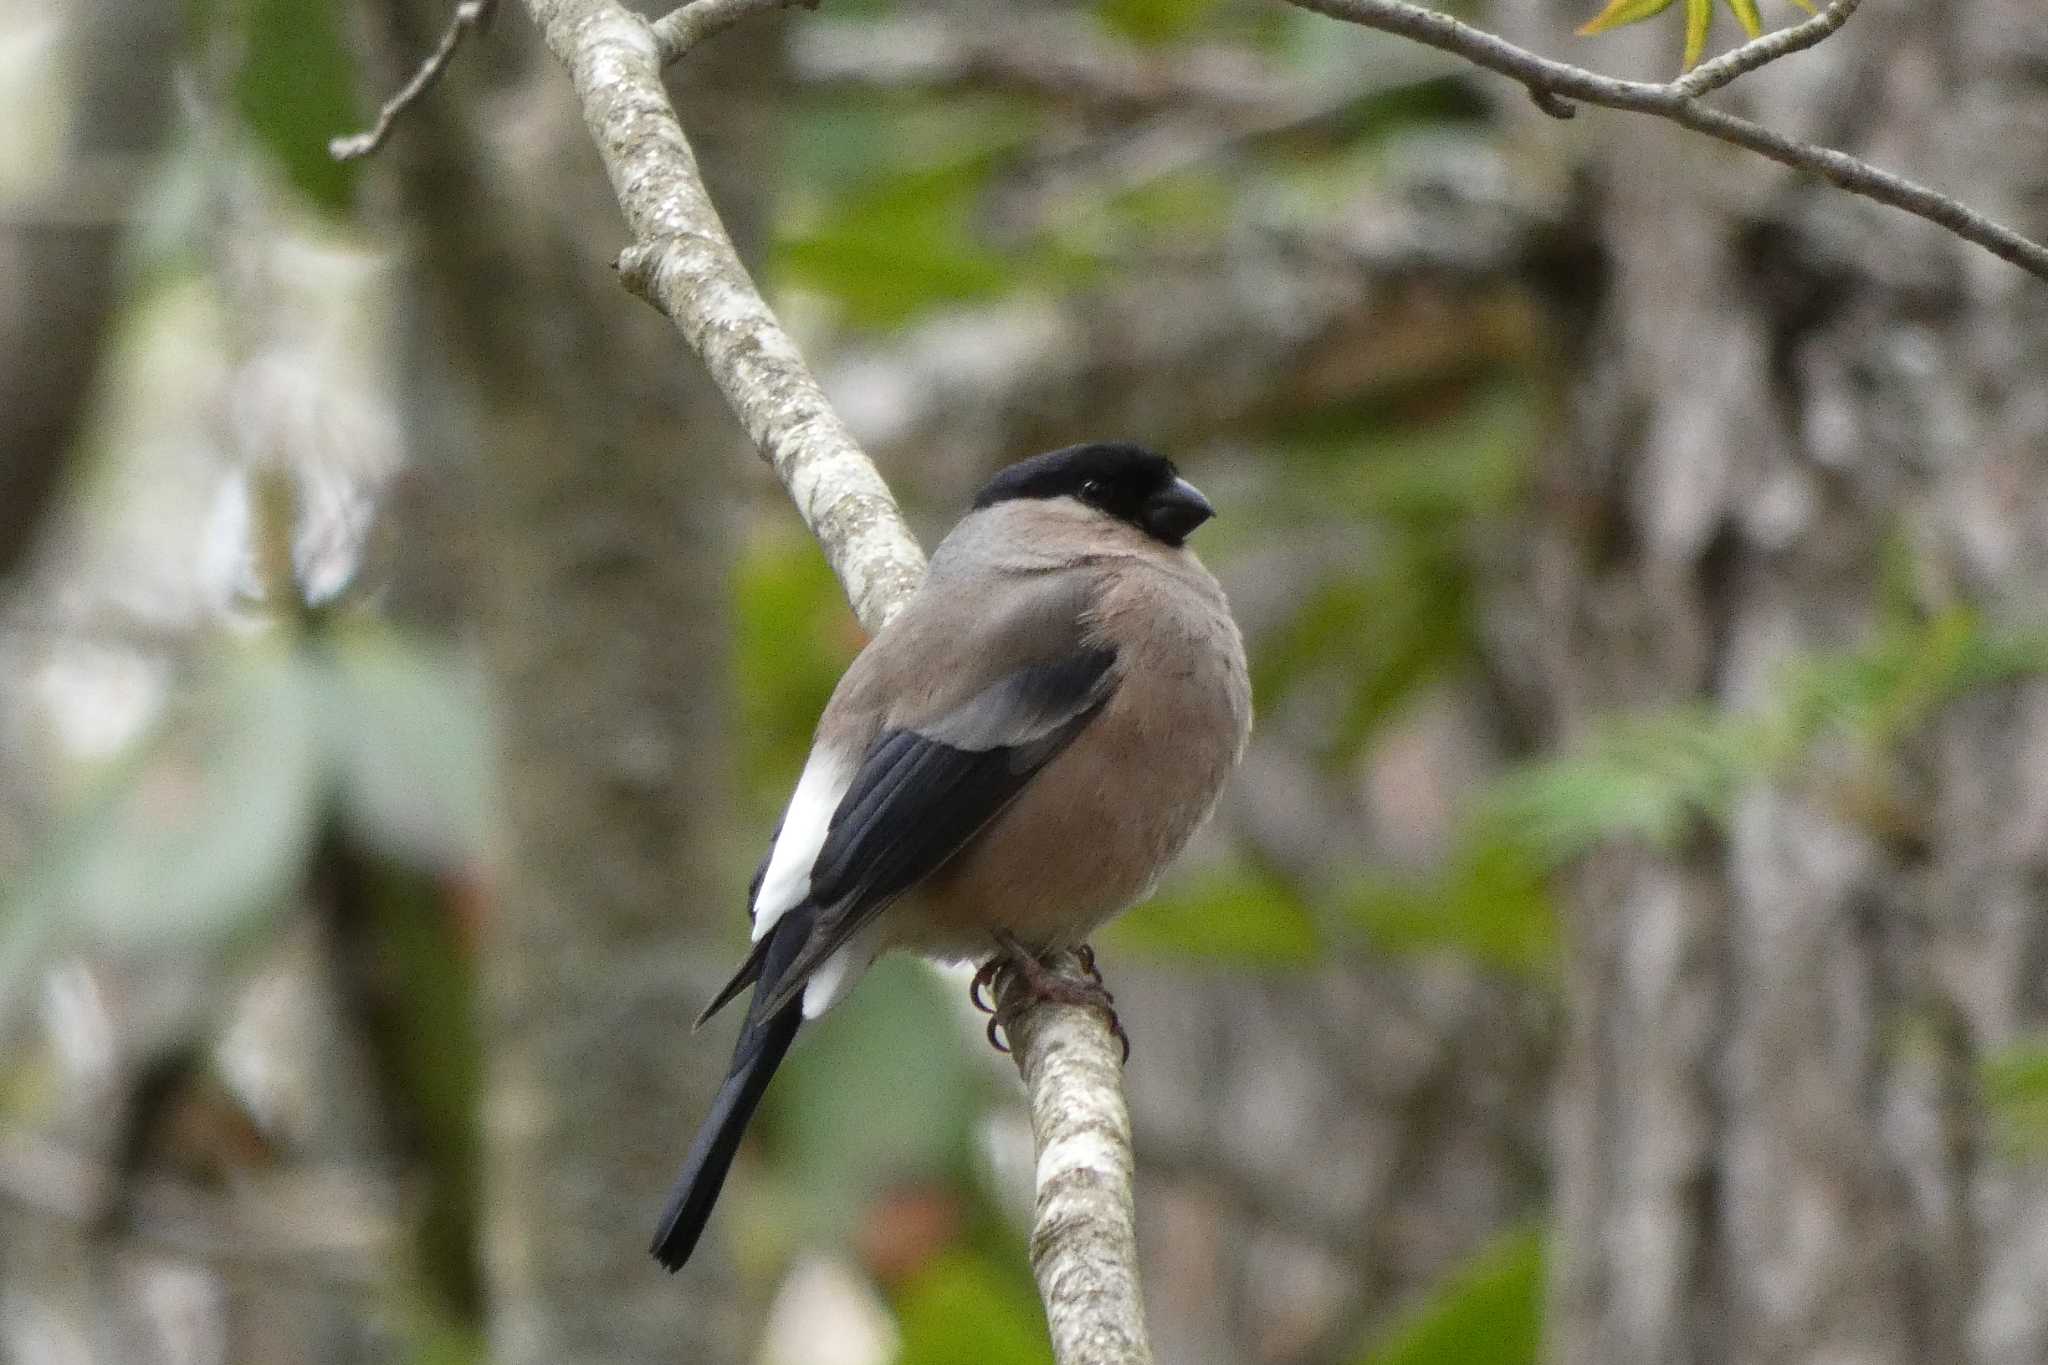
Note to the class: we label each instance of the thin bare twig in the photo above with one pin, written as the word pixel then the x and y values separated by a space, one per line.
pixel 1732 66
pixel 469 15
pixel 687 25
pixel 1553 85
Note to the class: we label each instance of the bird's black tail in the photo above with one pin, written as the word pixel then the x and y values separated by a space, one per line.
pixel 762 1045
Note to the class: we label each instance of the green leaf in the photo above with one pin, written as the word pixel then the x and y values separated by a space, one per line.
pixel 1238 913
pixel 1492 904
pixel 1654 776
pixel 408 732
pixel 1699 17
pixel 960 1309
pixel 1376 635
pixel 429 1039
pixel 1647 776
pixel 296 90
pixel 793 636
pixel 1155 21
pixel 1746 14
pixel 1487 1312
pixel 2015 1081
pixel 882 1090
pixel 902 245
pixel 1883 692
pixel 1621 12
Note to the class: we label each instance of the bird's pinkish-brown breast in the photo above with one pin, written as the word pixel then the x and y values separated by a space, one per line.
pixel 1092 832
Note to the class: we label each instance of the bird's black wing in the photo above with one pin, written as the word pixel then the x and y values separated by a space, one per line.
pixel 921 794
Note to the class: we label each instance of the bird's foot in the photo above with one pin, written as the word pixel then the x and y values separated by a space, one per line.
pixel 1038 982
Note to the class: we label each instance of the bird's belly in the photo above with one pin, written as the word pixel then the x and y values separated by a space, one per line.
pixel 1088 837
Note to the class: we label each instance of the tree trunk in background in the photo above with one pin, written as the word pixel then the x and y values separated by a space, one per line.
pixel 60 253
pixel 603 469
pixel 1771 1145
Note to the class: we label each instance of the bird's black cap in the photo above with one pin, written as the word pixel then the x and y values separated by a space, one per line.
pixel 1125 481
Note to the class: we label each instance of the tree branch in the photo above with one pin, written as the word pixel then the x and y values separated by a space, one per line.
pixel 1553 84
pixel 683 263
pixel 469 15
pixel 681 260
pixel 1732 66
pixel 689 24
pixel 1084 1241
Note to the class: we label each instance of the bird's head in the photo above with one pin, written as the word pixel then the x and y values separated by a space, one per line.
pixel 1127 482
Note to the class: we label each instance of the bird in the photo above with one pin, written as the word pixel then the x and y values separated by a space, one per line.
pixel 1012 760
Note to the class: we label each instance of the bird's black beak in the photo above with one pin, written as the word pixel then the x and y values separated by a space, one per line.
pixel 1175 511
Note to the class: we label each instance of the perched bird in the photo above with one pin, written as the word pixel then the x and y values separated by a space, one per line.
pixel 1010 762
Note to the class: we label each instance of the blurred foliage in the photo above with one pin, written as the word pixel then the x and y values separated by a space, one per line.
pixel 963 1310
pixel 1237 912
pixel 793 636
pixel 1380 625
pixel 2015 1083
pixel 432 1050
pixel 1487 1312
pixel 1655 776
pixel 296 89
pixel 902 244
pixel 1491 902
pixel 886 218
pixel 209 828
pixel 877 1095
pixel 1648 776
pixel 199 837
pixel 1660 776
pixel 342 768
pixel 1156 21
pixel 898 204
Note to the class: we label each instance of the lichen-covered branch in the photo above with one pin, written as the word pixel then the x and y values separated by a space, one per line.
pixel 683 263
pixel 681 260
pixel 1553 85
pixel 1084 1242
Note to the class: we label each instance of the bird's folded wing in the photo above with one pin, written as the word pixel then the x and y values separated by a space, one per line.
pixel 921 794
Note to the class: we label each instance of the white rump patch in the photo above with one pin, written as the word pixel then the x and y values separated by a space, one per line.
pixel 836 974
pixel 788 878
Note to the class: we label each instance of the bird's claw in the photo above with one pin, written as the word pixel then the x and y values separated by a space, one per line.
pixel 985 979
pixel 1039 983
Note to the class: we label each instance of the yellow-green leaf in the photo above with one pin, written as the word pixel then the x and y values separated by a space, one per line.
pixel 1746 14
pixel 1488 1309
pixel 1699 15
pixel 1620 12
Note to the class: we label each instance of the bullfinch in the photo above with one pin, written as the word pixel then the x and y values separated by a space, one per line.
pixel 1010 762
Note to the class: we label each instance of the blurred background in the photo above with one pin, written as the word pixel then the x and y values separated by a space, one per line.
pixel 1623 943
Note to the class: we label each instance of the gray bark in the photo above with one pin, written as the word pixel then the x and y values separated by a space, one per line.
pixel 1084 1240
pixel 598 459
pixel 1770 1141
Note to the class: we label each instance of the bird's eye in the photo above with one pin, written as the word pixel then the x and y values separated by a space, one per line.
pixel 1091 491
